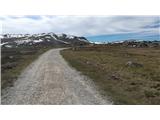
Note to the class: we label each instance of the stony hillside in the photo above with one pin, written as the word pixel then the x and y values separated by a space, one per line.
pixel 43 39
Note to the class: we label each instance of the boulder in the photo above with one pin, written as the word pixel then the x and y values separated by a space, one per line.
pixel 133 64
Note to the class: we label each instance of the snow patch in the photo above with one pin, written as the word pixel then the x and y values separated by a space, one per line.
pixel 37 41
pixel 62 41
pixel 19 42
pixel 48 37
pixel 70 36
pixel 1 36
pixel 59 35
pixel 84 40
pixel 98 42
pixel 1 44
pixel 8 46
pixel 53 37
pixel 118 42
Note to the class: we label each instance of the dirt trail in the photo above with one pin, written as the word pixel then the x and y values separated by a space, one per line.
pixel 50 80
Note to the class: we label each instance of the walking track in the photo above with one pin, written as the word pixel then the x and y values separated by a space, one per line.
pixel 50 80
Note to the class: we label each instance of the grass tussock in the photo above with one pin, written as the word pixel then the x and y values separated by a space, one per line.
pixel 128 75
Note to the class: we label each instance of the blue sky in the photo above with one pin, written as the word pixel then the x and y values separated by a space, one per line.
pixel 119 37
pixel 95 28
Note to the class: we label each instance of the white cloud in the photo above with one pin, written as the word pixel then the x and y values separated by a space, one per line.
pixel 79 25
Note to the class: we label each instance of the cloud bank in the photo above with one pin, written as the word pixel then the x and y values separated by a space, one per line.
pixel 81 25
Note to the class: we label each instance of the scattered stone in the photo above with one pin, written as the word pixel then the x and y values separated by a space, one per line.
pixel 133 64
pixel 10 57
pixel 115 77
pixel 88 62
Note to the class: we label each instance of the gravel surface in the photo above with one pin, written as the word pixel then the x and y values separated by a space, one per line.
pixel 50 80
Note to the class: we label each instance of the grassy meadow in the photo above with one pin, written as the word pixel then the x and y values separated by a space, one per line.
pixel 126 75
pixel 14 60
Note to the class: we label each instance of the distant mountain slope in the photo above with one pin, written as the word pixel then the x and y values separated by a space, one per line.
pixel 138 43
pixel 43 39
pixel 132 43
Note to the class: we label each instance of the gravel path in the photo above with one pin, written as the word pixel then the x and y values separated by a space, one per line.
pixel 50 80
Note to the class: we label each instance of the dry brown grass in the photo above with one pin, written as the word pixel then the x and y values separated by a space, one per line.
pixel 22 57
pixel 106 65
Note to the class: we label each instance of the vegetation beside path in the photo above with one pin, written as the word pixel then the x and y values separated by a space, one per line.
pixel 15 60
pixel 127 75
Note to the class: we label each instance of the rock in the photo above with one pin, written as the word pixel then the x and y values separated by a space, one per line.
pixel 133 64
pixel 115 77
pixel 88 63
pixel 10 57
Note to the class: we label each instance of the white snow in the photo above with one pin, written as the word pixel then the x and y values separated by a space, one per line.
pixel 30 44
pixel 29 38
pixel 19 42
pixel 70 36
pixel 82 40
pixel 14 35
pixel 8 46
pixel 1 44
pixel 98 42
pixel 62 41
pixel 37 41
pixel 118 41
pixel 53 37
pixel 1 36
pixel 59 35
pixel 47 36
